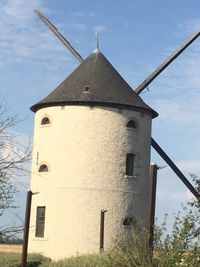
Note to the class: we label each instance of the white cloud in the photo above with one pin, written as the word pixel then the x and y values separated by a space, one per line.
pixel 176 112
pixel 18 11
pixel 21 37
pixel 190 166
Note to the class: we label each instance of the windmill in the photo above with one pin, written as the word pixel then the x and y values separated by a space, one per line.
pixel 55 99
pixel 139 90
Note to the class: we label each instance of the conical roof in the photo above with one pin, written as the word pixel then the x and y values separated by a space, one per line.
pixel 95 82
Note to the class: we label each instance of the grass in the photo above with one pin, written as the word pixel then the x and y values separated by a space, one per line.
pixel 98 260
pixel 180 249
pixel 13 260
pixel 36 260
pixel 116 258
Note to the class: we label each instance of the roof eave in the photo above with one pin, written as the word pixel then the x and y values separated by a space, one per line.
pixel 38 106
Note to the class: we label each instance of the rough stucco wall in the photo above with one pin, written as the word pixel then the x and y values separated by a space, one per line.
pixel 85 149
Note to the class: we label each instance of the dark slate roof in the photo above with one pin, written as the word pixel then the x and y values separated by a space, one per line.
pixel 95 82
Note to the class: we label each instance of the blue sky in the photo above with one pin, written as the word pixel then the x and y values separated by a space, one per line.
pixel 136 37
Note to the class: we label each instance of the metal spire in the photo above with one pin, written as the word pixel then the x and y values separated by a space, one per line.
pixel 97 50
pixel 97 38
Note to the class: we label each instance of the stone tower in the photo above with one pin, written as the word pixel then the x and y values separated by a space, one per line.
pixel 91 152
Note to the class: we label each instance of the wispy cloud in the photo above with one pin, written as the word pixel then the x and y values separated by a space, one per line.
pixel 21 38
pixel 18 11
pixel 190 26
pixel 25 38
pixel 190 166
pixel 177 112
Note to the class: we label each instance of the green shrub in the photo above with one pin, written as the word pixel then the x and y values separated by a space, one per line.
pixel 133 252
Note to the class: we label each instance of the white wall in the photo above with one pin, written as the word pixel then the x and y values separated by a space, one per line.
pixel 85 149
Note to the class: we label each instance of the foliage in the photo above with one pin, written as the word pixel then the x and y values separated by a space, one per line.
pixel 133 251
pixel 7 237
pixel 182 246
pixel 13 156
pixel 13 260
pixel 194 202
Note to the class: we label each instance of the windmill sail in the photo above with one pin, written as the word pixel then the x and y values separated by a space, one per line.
pixel 144 84
pixel 59 35
pixel 164 65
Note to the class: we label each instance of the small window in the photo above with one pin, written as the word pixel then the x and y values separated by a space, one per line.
pixel 40 221
pixel 129 164
pixel 43 168
pixel 45 121
pixel 86 88
pixel 128 221
pixel 131 124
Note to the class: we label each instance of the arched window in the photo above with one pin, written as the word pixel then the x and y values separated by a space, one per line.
pixel 131 124
pixel 43 168
pixel 129 164
pixel 45 121
pixel 128 221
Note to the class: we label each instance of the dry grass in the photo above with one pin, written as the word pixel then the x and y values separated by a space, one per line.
pixel 10 248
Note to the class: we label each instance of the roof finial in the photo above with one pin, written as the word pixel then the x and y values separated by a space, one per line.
pixel 97 43
pixel 97 38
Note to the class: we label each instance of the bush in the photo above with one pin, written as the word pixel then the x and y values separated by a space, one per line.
pixel 133 252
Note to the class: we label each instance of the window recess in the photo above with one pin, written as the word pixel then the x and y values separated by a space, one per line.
pixel 131 124
pixel 130 164
pixel 43 168
pixel 40 221
pixel 45 121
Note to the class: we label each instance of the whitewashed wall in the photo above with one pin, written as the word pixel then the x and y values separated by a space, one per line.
pixel 85 149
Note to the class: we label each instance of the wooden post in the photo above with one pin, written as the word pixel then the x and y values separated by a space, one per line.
pixel 102 221
pixel 153 183
pixel 26 228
